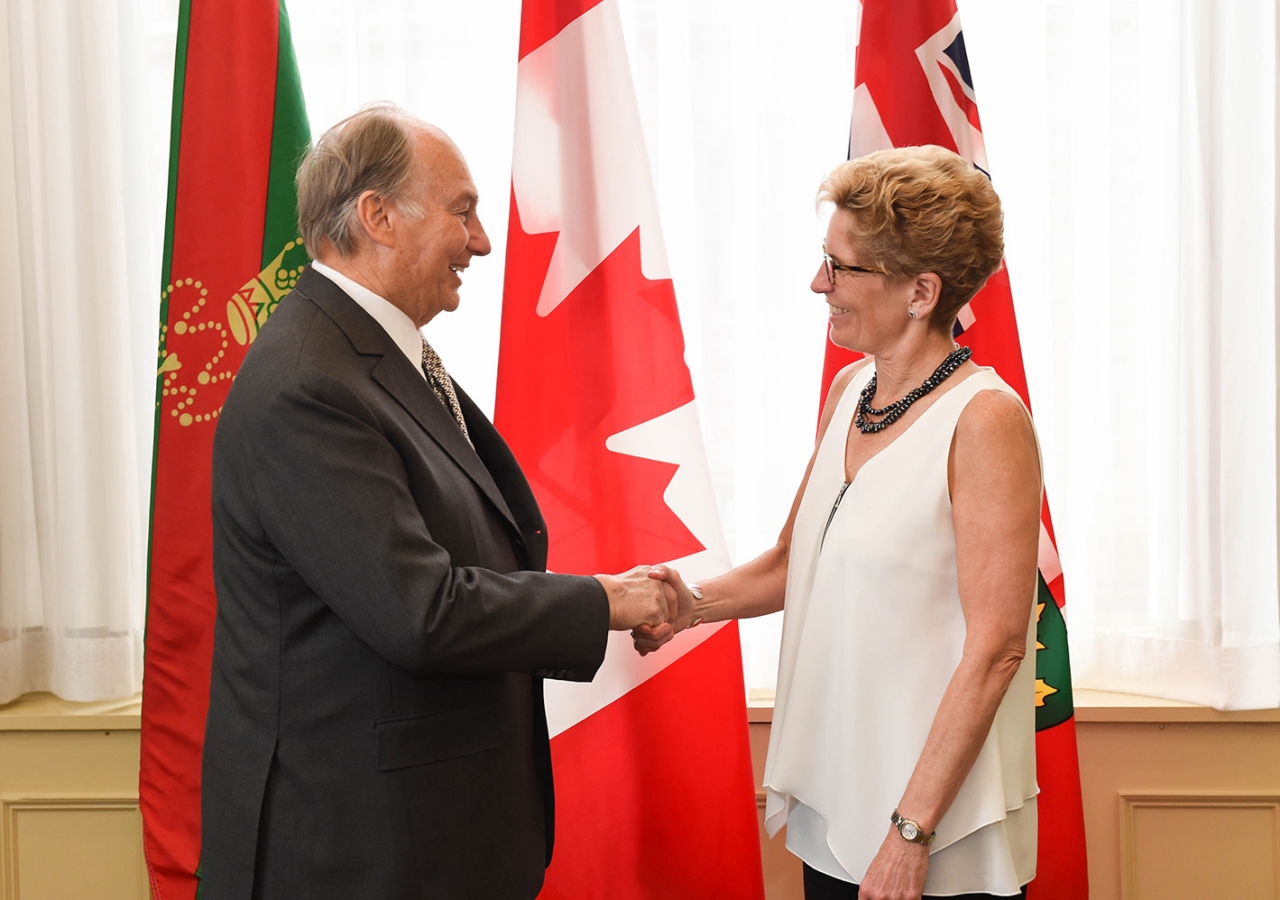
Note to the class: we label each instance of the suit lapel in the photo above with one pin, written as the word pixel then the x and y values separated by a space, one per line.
pixel 501 464
pixel 413 393
pixel 397 377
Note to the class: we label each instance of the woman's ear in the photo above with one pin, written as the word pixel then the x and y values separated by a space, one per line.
pixel 925 291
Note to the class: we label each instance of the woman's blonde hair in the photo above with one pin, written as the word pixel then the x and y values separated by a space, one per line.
pixel 922 209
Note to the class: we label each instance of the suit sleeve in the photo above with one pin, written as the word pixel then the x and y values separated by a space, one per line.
pixel 334 499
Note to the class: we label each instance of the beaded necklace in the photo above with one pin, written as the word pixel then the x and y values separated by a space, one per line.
pixel 894 410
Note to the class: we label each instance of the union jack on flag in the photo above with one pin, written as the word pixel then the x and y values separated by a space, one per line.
pixel 913 86
pixel 944 63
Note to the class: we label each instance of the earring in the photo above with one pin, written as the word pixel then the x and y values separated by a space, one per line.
pixel 911 314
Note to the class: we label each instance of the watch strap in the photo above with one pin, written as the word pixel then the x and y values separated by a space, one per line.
pixel 910 830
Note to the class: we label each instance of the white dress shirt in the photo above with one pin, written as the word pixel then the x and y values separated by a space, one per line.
pixel 394 321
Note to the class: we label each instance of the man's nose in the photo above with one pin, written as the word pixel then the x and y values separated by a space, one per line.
pixel 479 243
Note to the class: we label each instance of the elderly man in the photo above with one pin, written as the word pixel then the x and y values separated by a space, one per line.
pixel 376 725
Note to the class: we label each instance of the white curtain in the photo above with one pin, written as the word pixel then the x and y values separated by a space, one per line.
pixel 1133 142
pixel 70 500
pixel 1143 265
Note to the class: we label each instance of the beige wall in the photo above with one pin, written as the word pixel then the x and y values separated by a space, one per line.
pixel 781 869
pixel 1180 802
pixel 69 823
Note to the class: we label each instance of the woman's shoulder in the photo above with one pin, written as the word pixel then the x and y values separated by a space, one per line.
pixel 992 401
pixel 994 407
pixel 994 430
pixel 839 385
pixel 841 382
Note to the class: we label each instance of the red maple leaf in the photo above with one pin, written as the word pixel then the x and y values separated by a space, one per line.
pixel 608 358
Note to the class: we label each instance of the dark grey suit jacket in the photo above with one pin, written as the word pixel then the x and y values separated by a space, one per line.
pixel 376 725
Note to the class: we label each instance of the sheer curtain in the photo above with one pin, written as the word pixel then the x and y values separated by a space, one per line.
pixel 1133 142
pixel 1189 525
pixel 71 512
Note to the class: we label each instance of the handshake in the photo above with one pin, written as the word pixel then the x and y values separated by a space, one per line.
pixel 653 602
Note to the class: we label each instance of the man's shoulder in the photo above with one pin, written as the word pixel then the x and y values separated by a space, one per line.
pixel 298 348
pixel 299 333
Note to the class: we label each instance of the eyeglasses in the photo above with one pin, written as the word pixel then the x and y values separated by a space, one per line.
pixel 833 267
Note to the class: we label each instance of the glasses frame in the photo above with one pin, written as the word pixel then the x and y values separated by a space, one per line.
pixel 833 267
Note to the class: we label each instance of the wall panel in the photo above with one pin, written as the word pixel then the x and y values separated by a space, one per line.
pixel 73 847
pixel 1200 845
pixel 69 822
pixel 1180 801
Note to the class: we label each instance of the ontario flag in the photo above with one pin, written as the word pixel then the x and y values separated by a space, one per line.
pixel 594 397
pixel 912 86
pixel 231 252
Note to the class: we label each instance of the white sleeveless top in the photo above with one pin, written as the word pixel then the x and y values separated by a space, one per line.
pixel 872 633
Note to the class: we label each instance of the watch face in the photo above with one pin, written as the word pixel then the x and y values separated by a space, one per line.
pixel 909 830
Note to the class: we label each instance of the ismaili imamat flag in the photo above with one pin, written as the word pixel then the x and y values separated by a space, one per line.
pixel 652 759
pixel 912 86
pixel 231 250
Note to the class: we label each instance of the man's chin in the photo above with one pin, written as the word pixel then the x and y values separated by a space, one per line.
pixel 445 301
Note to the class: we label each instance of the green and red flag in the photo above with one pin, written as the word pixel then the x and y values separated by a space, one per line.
pixel 231 251
pixel 912 86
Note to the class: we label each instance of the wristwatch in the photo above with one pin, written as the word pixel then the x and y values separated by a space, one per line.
pixel 911 831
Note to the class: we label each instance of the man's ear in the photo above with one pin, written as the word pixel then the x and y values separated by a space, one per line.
pixel 373 216
pixel 926 290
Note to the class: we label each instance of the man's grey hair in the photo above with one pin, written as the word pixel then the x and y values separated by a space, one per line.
pixel 372 150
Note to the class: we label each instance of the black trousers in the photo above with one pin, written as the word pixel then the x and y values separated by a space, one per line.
pixel 818 886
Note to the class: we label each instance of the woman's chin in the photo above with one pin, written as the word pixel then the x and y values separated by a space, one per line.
pixel 841 337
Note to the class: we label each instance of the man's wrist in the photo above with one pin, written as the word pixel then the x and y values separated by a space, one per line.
pixel 610 584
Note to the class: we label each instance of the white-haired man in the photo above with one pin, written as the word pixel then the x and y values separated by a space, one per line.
pixel 376 725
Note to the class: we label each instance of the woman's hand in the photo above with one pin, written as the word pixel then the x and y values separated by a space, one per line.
pixel 898 871
pixel 679 615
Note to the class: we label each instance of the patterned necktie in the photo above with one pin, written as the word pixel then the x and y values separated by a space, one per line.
pixel 438 378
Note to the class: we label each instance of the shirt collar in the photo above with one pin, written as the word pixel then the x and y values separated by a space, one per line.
pixel 394 321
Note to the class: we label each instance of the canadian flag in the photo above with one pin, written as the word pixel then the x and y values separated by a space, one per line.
pixel 654 787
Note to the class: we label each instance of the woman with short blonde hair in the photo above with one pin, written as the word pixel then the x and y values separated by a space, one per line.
pixel 902 750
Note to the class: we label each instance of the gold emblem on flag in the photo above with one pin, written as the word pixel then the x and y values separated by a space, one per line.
pixel 1043 688
pixel 194 393
pixel 251 306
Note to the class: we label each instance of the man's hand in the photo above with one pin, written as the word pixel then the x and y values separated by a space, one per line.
pixel 649 638
pixel 636 599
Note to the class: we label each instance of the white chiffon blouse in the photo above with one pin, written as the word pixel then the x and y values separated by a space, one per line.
pixel 872 633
